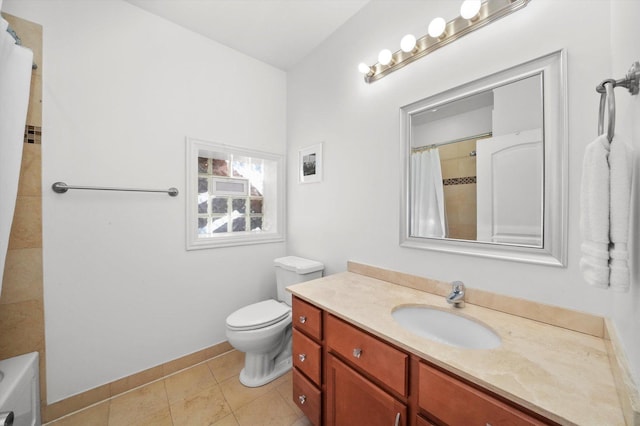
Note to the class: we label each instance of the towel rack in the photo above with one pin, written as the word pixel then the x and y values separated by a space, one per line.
pixel 631 82
pixel 61 188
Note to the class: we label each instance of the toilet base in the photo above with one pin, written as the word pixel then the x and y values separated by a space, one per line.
pixel 255 380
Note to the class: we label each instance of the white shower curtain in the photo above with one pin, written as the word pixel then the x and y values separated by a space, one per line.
pixel 428 218
pixel 15 80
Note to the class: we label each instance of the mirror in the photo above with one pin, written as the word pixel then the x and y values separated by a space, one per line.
pixel 485 166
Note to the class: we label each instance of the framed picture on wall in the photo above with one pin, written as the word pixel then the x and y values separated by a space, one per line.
pixel 310 164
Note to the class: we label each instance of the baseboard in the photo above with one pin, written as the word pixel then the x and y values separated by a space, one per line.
pixel 82 400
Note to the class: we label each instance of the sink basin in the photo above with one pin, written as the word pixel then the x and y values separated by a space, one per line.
pixel 446 327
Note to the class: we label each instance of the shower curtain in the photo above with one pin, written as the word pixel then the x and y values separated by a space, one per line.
pixel 428 218
pixel 15 80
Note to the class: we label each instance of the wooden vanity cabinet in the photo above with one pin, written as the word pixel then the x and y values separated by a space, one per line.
pixel 344 376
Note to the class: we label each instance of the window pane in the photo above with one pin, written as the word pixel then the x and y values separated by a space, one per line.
pixel 256 223
pixel 239 205
pixel 203 185
pixel 220 167
pixel 256 206
pixel 241 167
pixel 219 205
pixel 219 225
pixel 202 225
pixel 202 206
pixel 202 164
pixel 255 192
pixel 239 224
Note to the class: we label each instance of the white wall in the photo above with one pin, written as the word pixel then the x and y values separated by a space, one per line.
pixel 122 89
pixel 354 213
pixel 626 50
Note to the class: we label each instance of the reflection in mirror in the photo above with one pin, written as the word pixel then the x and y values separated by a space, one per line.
pixel 476 166
pixel 485 167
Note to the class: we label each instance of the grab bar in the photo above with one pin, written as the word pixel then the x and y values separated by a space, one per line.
pixel 61 188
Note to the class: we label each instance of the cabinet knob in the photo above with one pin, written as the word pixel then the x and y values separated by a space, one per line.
pixel 397 423
pixel 302 319
pixel 302 357
pixel 302 399
pixel 357 352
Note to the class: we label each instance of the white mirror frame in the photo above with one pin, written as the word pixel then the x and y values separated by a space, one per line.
pixel 554 247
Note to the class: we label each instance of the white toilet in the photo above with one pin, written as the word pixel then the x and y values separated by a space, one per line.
pixel 263 330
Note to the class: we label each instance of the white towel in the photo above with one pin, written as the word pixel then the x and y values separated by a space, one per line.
pixel 594 217
pixel 621 166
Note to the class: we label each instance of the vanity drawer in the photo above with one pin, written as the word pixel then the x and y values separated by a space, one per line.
pixel 307 397
pixel 307 356
pixel 307 318
pixel 456 403
pixel 380 360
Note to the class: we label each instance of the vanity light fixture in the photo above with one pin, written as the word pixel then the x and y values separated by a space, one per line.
pixel 470 9
pixel 408 43
pixel 437 28
pixel 365 69
pixel 385 57
pixel 474 14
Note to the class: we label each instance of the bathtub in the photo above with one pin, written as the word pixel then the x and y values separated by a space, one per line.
pixel 20 389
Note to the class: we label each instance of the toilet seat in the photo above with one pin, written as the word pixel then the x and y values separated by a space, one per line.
pixel 258 315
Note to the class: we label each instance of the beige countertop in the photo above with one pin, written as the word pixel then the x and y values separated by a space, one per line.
pixel 561 374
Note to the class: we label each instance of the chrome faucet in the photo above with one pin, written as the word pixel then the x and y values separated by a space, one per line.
pixel 456 297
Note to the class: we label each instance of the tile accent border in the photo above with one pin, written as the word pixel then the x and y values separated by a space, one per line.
pixel 101 393
pixel 459 180
pixel 33 134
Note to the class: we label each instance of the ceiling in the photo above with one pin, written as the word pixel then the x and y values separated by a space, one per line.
pixel 278 32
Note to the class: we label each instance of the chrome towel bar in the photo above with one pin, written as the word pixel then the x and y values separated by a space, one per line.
pixel 61 188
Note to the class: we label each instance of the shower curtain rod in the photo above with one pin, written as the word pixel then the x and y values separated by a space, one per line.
pixel 466 138
pixel 61 188
pixel 18 40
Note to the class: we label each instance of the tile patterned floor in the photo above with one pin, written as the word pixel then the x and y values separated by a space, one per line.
pixel 207 394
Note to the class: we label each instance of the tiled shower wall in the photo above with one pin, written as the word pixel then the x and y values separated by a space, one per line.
pixel 21 301
pixel 459 178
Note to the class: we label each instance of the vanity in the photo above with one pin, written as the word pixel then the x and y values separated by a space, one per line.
pixel 355 364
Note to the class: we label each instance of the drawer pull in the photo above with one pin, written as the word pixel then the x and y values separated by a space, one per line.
pixel 357 352
pixel 397 423
pixel 302 357
pixel 302 319
pixel 302 399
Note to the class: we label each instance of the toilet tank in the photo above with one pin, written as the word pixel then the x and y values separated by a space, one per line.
pixel 293 270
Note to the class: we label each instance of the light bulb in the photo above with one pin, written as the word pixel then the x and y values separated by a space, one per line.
pixel 364 68
pixel 408 43
pixel 470 9
pixel 385 56
pixel 437 27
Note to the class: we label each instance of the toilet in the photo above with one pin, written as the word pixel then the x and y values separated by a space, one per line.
pixel 263 330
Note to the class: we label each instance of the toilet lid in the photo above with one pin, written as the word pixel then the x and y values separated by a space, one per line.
pixel 258 315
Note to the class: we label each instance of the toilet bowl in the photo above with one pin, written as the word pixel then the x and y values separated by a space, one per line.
pixel 262 330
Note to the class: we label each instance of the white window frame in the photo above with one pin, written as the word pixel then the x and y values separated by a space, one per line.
pixel 199 148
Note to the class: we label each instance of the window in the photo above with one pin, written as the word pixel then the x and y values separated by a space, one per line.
pixel 235 196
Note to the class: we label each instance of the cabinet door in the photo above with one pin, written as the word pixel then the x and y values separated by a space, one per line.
pixel 353 400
